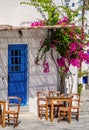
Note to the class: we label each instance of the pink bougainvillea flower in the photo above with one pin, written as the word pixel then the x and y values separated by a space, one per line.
pixel 59 22
pixel 34 24
pixel 88 51
pixel 73 46
pixel 80 45
pixel 46 67
pixel 75 62
pixel 61 61
pixel 71 35
pixel 63 21
pixel 88 44
pixel 52 46
pixel 42 23
pixel 45 64
pixel 69 43
pixel 66 69
pixel 86 57
pixel 83 56
pixel 38 23
pixel 46 70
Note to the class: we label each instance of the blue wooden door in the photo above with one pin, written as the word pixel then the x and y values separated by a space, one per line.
pixel 17 71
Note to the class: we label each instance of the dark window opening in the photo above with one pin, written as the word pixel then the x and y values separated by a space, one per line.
pixel 85 79
pixel 73 4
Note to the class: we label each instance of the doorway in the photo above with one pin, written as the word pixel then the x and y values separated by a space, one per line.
pixel 17 71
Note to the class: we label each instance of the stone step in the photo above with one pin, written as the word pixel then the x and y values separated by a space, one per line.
pixel 27 115
pixel 24 108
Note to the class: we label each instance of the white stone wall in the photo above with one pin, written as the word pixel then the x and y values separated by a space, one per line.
pixel 13 13
pixel 3 71
pixel 37 79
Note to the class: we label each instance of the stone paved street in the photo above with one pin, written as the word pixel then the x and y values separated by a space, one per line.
pixel 30 122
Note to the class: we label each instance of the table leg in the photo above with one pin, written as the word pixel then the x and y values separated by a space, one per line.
pixel 46 117
pixel 0 114
pixel 3 115
pixel 70 116
pixel 52 111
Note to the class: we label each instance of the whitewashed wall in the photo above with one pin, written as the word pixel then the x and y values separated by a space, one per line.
pixel 3 70
pixel 37 79
pixel 13 13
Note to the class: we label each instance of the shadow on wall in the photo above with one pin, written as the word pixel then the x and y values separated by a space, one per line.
pixel 3 88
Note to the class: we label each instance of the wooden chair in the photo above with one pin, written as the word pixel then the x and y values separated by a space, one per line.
pixel 64 111
pixel 54 93
pixel 0 115
pixel 75 105
pixel 56 104
pixel 41 101
pixel 13 109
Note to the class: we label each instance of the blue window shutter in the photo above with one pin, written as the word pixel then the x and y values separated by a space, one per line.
pixel 73 4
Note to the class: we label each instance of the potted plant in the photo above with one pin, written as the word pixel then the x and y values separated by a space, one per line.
pixel 80 87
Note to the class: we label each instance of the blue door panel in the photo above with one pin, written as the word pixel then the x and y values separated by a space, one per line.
pixel 85 79
pixel 21 92
pixel 17 77
pixel 17 71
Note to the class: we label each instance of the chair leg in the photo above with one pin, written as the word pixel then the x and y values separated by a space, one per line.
pixel 8 120
pixel 14 122
pixel 77 116
pixel 59 118
pixel 38 112
pixel 68 117
pixel 56 111
pixel 17 120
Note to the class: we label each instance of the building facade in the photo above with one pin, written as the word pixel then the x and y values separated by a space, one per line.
pixel 18 48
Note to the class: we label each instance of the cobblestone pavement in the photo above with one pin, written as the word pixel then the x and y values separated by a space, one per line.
pixel 30 122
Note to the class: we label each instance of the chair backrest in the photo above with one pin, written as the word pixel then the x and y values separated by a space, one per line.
pixel 43 94
pixel 65 109
pixel 67 104
pixel 67 101
pixel 54 93
pixel 14 103
pixel 76 99
pixel 42 97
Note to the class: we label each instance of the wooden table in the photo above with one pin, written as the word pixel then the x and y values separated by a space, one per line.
pixel 3 103
pixel 52 101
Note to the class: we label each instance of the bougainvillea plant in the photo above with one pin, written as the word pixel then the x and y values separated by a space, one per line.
pixel 69 41
pixel 70 45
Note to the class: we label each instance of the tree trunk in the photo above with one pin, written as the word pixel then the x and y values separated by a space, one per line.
pixel 62 83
